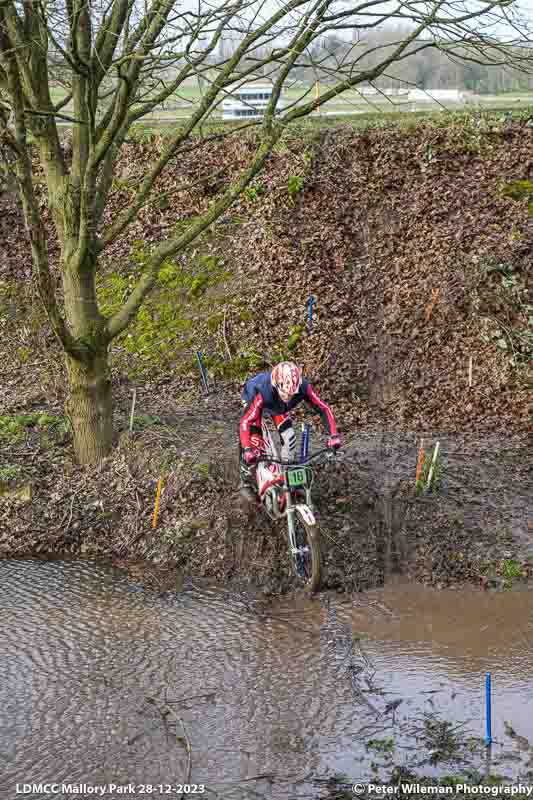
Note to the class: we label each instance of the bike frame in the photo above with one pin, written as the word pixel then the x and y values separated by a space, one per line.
pixel 290 507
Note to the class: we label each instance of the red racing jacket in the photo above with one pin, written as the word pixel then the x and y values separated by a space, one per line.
pixel 259 396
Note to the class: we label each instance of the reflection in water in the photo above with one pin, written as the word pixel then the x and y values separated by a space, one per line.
pixel 268 702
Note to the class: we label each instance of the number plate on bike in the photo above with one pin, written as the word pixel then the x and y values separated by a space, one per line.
pixel 297 477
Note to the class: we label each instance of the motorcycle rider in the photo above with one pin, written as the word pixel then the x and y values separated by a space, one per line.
pixel 276 392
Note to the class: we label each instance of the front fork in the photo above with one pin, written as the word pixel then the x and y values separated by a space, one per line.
pixel 290 511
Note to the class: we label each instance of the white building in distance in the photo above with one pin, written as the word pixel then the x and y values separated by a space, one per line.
pixel 442 95
pixel 248 101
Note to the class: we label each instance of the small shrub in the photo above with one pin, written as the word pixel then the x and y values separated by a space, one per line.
pixel 211 263
pixel 146 421
pixel 295 186
pixel 380 745
pixel 177 535
pixel 9 472
pixel 202 470
pixel 511 571
pixel 244 363
pixel 295 336
pixel 254 191
pixel 169 274
pixel 518 190
pixel 198 286
pixel 23 354
pixel 121 184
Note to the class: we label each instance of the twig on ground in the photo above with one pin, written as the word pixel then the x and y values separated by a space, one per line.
pixel 192 697
pixel 341 546
pixel 60 526
pixel 363 655
pixel 189 751
pixel 165 710
pixel 360 696
pixel 132 410
pixel 356 326
pixel 71 510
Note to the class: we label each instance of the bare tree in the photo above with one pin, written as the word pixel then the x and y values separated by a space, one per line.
pixel 118 60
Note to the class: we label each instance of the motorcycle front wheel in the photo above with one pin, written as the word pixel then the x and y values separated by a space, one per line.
pixel 307 561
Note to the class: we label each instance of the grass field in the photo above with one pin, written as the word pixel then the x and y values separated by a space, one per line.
pixel 183 103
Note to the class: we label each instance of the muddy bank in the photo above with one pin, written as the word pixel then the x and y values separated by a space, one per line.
pixel 417 245
pixel 415 241
pixel 474 528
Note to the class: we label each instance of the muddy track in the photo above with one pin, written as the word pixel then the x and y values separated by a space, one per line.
pixel 373 523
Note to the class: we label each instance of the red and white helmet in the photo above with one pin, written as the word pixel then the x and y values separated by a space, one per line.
pixel 287 379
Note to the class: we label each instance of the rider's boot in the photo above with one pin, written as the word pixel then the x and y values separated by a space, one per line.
pixel 247 485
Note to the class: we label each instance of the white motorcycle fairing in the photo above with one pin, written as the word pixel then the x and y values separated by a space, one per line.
pixel 306 513
pixel 267 475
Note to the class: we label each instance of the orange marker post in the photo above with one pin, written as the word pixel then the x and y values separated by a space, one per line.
pixel 421 455
pixel 156 509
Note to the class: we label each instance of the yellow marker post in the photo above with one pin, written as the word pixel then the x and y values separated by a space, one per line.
pixel 156 509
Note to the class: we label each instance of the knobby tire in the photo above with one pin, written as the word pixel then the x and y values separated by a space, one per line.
pixel 309 535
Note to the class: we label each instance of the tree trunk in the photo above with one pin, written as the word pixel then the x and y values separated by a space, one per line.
pixel 90 407
pixel 90 403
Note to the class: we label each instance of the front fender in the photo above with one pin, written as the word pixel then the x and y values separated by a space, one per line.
pixel 306 513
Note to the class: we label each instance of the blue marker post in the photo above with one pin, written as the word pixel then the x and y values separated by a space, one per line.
pixel 310 321
pixel 203 374
pixel 488 714
pixel 304 449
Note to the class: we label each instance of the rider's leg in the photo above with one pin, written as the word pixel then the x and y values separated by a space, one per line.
pixel 288 437
pixel 247 481
pixel 288 441
pixel 256 440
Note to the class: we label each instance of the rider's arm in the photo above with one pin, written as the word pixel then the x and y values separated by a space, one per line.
pixel 322 408
pixel 252 416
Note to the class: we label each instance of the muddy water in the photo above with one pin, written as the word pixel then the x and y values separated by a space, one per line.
pixel 97 677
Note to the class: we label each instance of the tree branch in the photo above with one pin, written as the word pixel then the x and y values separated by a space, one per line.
pixel 38 113
pixel 32 215
pixel 119 321
pixel 108 38
pixel 204 108
pixel 66 100
pixel 362 77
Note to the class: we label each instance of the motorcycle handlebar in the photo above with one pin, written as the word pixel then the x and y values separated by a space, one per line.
pixel 270 460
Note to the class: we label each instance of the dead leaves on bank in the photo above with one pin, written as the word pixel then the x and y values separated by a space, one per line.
pixel 390 231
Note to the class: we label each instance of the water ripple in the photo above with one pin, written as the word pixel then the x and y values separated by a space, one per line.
pixel 89 666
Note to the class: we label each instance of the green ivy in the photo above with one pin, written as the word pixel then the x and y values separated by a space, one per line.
pixel 14 427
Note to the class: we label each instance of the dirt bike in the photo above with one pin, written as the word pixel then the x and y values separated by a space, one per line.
pixel 284 490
